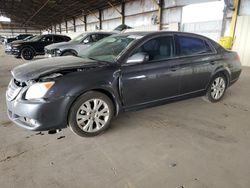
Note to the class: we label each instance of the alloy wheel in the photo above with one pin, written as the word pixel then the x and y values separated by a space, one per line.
pixel 218 87
pixel 27 54
pixel 92 115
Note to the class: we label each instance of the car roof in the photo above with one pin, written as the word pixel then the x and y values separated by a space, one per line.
pixel 99 32
pixel 152 33
pixel 54 35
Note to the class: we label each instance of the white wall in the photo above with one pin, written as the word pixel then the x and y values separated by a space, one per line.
pixel 242 39
pixel 14 32
pixel 138 14
pixel 244 8
pixel 209 29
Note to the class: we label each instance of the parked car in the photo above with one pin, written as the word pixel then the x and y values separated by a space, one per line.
pixel 8 47
pixel 76 45
pixel 119 73
pixel 35 46
pixel 18 37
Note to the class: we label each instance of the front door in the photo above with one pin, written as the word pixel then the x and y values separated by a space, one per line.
pixel 153 80
pixel 46 40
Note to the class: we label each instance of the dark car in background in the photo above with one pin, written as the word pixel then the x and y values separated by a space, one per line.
pixel 76 45
pixel 35 46
pixel 8 48
pixel 18 37
pixel 7 41
pixel 122 72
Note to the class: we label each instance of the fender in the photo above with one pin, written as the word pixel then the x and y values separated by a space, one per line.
pixel 85 81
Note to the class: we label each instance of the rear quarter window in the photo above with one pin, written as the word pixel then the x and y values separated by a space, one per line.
pixel 192 46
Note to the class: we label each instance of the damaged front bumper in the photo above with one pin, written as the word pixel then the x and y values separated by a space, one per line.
pixel 38 115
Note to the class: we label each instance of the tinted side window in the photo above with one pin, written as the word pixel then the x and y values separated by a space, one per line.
pixel 58 39
pixel 192 46
pixel 158 48
pixel 47 39
pixel 66 38
pixel 104 35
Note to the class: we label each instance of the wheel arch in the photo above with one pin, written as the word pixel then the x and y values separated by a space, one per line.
pixel 112 98
pixel 28 46
pixel 106 92
pixel 222 70
pixel 69 50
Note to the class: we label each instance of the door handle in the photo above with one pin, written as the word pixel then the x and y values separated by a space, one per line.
pixel 212 62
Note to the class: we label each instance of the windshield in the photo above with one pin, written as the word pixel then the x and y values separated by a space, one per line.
pixel 79 38
pixel 36 38
pixel 108 49
pixel 28 38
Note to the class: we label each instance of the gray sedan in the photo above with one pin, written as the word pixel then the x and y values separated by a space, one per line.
pixel 76 45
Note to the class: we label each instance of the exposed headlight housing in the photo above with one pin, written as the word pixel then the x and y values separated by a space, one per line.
pixel 38 90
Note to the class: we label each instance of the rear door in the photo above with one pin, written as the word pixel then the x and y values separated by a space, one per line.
pixel 198 57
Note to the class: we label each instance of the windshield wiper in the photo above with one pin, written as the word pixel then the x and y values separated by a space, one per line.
pixel 92 58
pixel 98 60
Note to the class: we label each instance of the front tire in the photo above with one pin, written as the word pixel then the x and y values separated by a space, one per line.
pixel 91 114
pixel 27 54
pixel 217 88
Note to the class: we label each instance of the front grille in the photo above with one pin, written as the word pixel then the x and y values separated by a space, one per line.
pixel 13 89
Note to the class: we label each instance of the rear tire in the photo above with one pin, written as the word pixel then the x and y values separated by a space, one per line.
pixel 27 53
pixel 217 88
pixel 90 114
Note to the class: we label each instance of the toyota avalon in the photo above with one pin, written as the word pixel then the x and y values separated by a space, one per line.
pixel 122 72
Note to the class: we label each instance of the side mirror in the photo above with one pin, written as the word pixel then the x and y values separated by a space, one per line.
pixel 138 58
pixel 86 41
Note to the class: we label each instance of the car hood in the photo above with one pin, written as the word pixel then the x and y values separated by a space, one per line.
pixel 17 41
pixel 38 68
pixel 59 45
pixel 21 42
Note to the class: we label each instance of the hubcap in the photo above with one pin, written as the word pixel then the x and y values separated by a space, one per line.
pixel 92 115
pixel 218 88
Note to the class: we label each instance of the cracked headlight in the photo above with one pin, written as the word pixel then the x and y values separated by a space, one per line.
pixel 38 90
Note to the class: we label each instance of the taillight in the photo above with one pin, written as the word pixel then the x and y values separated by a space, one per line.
pixel 237 56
